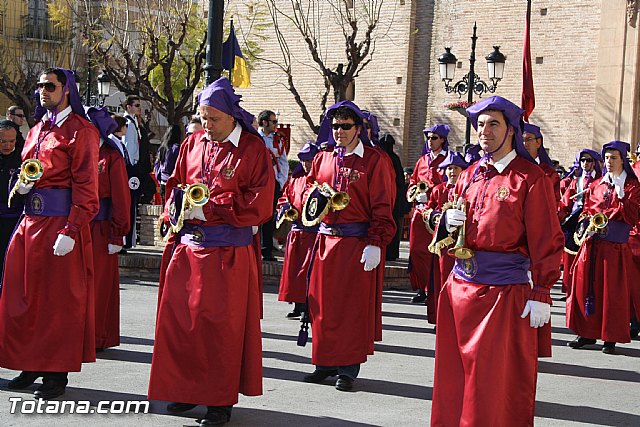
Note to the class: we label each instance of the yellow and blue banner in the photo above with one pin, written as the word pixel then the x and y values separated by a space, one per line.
pixel 233 61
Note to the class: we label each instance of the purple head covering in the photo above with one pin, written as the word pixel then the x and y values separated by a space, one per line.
pixel 440 129
pixel 324 133
pixel 74 98
pixel 575 166
pixel 623 148
pixel 221 96
pixel 596 156
pixel 105 124
pixel 373 124
pixel 472 153
pixel 308 152
pixel 542 153
pixel 512 114
pixel 454 158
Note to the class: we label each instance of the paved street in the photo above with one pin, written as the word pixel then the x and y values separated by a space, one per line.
pixel 575 387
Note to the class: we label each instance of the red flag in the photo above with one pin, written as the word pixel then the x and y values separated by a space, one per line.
pixel 528 97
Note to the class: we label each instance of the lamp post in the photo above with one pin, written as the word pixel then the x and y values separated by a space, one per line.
pixel 471 82
pixel 213 67
pixel 104 86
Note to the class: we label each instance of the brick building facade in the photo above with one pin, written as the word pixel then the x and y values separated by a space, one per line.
pixel 585 55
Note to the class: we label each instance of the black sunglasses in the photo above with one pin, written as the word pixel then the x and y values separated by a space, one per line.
pixel 343 126
pixel 433 137
pixel 48 86
pixel 587 160
pixel 18 115
pixel 275 122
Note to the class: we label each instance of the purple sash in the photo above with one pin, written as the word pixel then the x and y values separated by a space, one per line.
pixel 351 229
pixel 104 214
pixel 493 268
pixel 215 235
pixel 615 232
pixel 48 202
pixel 297 226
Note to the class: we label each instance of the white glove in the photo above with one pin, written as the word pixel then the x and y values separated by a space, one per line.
pixel 25 188
pixel 454 218
pixel 195 213
pixel 422 198
pixel 254 229
pixel 370 257
pixel 539 313
pixel 113 249
pixel 63 245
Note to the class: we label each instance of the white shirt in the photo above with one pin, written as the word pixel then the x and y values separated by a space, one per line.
pixel 502 164
pixel 131 139
pixel 60 118
pixel 282 168
pixel 617 181
pixel 358 151
pixel 234 136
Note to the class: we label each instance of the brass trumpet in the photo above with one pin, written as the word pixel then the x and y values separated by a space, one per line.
pixel 414 190
pixel 338 200
pixel 291 214
pixel 30 170
pixel 196 194
pixel 598 222
pixel 459 251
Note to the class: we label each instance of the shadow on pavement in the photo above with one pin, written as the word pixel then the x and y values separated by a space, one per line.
pixel 413 316
pixel 136 341
pixel 125 355
pixel 587 372
pixel 585 414
pixel 410 351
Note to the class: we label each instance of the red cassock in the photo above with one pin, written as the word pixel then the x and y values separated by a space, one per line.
pixel 297 254
pixel 564 210
pixel 47 306
pixel 554 179
pixel 345 302
pixel 112 185
pixel 422 262
pixel 606 267
pixel 564 184
pixel 208 342
pixel 634 245
pixel 486 354
pixel 439 196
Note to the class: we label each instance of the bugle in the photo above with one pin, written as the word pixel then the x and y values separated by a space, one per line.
pixel 338 200
pixel 459 251
pixel 414 190
pixel 31 170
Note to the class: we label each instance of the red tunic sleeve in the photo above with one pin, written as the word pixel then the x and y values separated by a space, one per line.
pixel 120 199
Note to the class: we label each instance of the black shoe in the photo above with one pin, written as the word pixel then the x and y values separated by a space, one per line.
pixel 319 376
pixel 344 383
pixel 123 251
pixel 50 389
pixel 609 348
pixel 294 314
pixel 22 381
pixel 420 297
pixel 216 416
pixel 177 407
pixel 580 342
pixel 269 258
pixel 633 333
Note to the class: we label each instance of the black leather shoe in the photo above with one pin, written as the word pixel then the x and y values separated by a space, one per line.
pixel 319 376
pixel 216 417
pixel 50 390
pixel 177 407
pixel 421 296
pixel 580 342
pixel 344 383
pixel 609 348
pixel 294 314
pixel 22 381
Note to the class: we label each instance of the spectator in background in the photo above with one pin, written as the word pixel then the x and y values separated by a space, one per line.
pixel 131 142
pixel 195 125
pixel 387 142
pixel 17 117
pixel 10 162
pixel 167 155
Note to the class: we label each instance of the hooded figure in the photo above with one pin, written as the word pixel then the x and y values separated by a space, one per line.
pixel 544 161
pixel 325 136
pixel 439 129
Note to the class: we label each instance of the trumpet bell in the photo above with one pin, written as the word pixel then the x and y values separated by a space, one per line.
pixel 32 169
pixel 198 194
pixel 599 221
pixel 339 201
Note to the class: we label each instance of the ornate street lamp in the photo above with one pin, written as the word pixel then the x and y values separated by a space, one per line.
pixel 104 86
pixel 471 82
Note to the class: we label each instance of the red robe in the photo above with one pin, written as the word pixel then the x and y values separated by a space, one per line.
pixel 47 306
pixel 564 210
pixel 564 184
pixel 421 261
pixel 612 269
pixel 554 179
pixel 486 354
pixel 112 184
pixel 297 254
pixel 208 342
pixel 347 319
pixel 439 196
pixel 634 245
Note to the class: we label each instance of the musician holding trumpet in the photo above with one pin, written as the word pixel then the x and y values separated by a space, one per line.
pixel 598 305
pixel 487 343
pixel 345 284
pixel 208 342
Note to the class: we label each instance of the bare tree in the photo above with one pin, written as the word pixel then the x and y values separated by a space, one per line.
pixel 358 21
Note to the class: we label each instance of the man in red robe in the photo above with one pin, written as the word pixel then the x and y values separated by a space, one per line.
pixel 598 306
pixel 423 265
pixel 46 310
pixel 533 142
pixel 300 240
pixel 634 245
pixel 486 347
pixel 208 341
pixel 108 229
pixel 346 320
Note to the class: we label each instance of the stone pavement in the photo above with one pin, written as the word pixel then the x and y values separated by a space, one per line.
pixel 575 387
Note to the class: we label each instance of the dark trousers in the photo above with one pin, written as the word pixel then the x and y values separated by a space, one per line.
pixel 266 230
pixel 393 249
pixel 131 237
pixel 7 226
pixel 350 371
